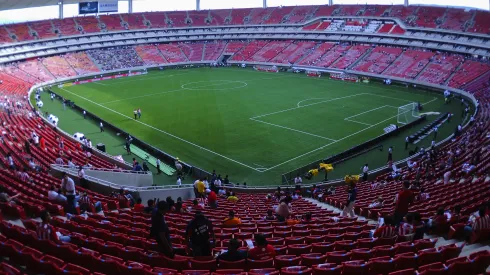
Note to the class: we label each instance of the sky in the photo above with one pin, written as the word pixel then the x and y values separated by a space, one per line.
pixel 48 12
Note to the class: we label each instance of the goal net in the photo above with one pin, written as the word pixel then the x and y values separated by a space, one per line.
pixel 408 113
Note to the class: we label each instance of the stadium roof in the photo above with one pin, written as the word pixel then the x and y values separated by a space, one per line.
pixel 19 4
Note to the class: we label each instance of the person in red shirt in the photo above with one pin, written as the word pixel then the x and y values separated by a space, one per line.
pixel 262 250
pixel 440 219
pixel 402 202
pixel 212 198
pixel 480 223
pixel 138 207
pixel 387 230
pixel 46 231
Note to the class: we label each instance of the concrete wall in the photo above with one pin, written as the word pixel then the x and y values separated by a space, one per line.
pixel 127 179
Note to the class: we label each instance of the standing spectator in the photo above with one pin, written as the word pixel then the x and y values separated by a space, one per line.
pixel 27 146
pixel 68 187
pixel 282 211
pixel 101 125
pixel 81 177
pixel 84 114
pixel 128 150
pixel 159 229
pixel 351 201
pixel 436 129
pixel 390 154
pixel 262 250
pixel 212 199
pixel 231 220
pixel 10 161
pixel 418 226
pixel 46 231
pixel 407 141
pixel 226 181
pixel 201 188
pixel 158 167
pixel 179 181
pixel 402 202
pixel 145 167
pixel 139 113
pixel 365 170
pixel 59 160
pixel 233 254
pixel 199 234
pixel 135 112
pixel 42 143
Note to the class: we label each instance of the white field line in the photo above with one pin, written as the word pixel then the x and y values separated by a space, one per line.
pixel 368 111
pixel 307 105
pixel 326 145
pixel 355 121
pixel 125 80
pixel 161 131
pixel 97 82
pixel 291 129
pixel 182 89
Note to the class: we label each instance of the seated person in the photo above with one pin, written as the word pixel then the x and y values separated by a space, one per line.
pixel 418 226
pixel 232 197
pixel 439 219
pixel 307 218
pixel 231 220
pixel 377 203
pixel 149 209
pixel 46 231
pixel 455 215
pixel 138 207
pixel 4 197
pixel 480 223
pixel 262 250
pixel 54 195
pixel 423 196
pixel 86 204
pixel 406 226
pixel 270 216
pixel 386 230
pixel 196 205
pixel 233 254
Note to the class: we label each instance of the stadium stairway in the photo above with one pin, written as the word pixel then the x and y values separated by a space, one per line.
pixel 166 169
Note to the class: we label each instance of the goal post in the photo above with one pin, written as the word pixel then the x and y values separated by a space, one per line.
pixel 407 113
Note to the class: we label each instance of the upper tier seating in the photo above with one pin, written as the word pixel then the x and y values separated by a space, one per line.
pixel 112 22
pixel 409 64
pixel 415 16
pixel 378 60
pixel 150 55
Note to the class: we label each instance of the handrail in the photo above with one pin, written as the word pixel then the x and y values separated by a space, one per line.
pixel 73 173
pixel 105 169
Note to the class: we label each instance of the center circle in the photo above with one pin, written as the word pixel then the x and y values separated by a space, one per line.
pixel 214 85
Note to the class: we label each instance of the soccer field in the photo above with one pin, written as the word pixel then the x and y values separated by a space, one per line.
pixel 251 125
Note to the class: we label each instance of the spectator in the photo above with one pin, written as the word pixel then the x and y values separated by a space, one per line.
pixel 53 195
pixel 159 229
pixel 196 205
pixel 423 196
pixel 4 197
pixel 200 235
pixel 145 167
pixel 233 254
pixel 387 230
pixel 418 226
pixel 270 216
pixel 46 231
pixel 307 218
pixel 10 161
pixel 232 198
pixel 406 228
pixel 447 177
pixel 455 215
pixel 179 207
pixel 282 211
pixel 402 202
pixel 212 199
pixel 81 177
pixel 480 223
pixel 377 203
pixel 170 203
pixel 438 220
pixel 68 188
pixel 262 250
pixel 137 167
pixel 70 163
pixel 200 188
pixel 150 207
pixel 138 207
pixel 351 201
pixel 86 204
pixel 231 220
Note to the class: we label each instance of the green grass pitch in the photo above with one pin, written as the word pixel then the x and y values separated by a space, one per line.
pixel 251 125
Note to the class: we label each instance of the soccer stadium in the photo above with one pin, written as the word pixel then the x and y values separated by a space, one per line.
pixel 279 137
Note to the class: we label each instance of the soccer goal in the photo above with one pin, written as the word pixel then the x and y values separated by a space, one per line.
pixel 407 113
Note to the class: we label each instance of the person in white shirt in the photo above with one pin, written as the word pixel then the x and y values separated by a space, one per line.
pixel 435 132
pixel 89 143
pixel 70 163
pixel 55 196
pixel 298 180
pixel 68 187
pixel 59 161
pixel 35 139
pixel 101 127
pixel 217 181
pixel 206 183
pixel 81 176
pixel 179 181
pixel 84 114
pixel 158 167
pixel 365 170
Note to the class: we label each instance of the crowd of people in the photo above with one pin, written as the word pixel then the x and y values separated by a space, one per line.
pixel 116 58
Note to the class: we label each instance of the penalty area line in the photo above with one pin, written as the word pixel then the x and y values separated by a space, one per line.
pixel 291 129
pixel 164 132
